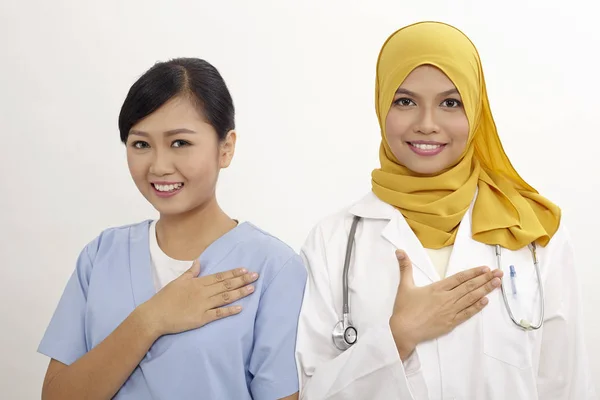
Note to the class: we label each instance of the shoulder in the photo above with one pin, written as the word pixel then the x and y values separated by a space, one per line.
pixel 113 238
pixel 328 226
pixel 266 243
pixel 275 253
pixel 109 241
pixel 339 222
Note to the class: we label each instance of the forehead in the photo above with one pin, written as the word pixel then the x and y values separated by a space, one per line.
pixel 427 78
pixel 178 112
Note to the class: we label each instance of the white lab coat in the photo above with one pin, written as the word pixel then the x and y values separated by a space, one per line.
pixel 487 357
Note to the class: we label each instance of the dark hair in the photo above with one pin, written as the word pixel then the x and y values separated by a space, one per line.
pixel 191 77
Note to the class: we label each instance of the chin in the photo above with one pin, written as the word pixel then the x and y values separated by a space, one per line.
pixel 172 209
pixel 431 170
pixel 170 206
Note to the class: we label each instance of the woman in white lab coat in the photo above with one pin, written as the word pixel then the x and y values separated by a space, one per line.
pixel 431 319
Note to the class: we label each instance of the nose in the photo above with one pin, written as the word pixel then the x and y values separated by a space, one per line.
pixel 161 165
pixel 426 124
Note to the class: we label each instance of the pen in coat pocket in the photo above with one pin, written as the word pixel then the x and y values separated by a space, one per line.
pixel 513 280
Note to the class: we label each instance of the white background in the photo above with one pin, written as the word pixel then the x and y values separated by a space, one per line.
pixel 302 77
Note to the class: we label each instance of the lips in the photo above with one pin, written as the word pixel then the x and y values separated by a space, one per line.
pixel 167 189
pixel 426 148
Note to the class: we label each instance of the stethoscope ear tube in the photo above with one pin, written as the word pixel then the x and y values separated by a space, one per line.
pixel 351 236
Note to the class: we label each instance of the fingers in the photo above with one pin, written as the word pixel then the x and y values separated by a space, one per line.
pixel 230 296
pixel 463 276
pixel 406 272
pixel 232 283
pixel 220 313
pixel 474 290
pixel 470 311
pixel 222 276
pixel 194 270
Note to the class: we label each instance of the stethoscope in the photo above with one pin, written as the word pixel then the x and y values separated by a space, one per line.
pixel 345 334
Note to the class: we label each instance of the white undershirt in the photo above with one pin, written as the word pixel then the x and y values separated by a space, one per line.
pixel 164 268
pixel 440 258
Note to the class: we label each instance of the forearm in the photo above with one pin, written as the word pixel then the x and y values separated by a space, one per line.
pixel 101 372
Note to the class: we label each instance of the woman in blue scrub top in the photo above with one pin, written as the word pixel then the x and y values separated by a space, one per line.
pixel 194 305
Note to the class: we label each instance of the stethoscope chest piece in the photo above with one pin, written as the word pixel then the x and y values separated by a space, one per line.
pixel 344 334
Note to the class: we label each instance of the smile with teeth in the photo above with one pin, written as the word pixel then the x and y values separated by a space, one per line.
pixel 167 188
pixel 423 146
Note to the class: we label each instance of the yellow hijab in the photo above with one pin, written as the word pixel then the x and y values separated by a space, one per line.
pixel 507 211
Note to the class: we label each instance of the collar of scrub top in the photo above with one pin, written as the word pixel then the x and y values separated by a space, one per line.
pixel 400 235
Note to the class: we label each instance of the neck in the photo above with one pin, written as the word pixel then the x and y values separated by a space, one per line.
pixel 185 236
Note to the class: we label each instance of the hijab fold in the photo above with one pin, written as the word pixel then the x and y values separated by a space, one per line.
pixel 507 210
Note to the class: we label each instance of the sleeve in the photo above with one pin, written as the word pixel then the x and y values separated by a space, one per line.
pixel 272 364
pixel 564 373
pixel 64 339
pixel 371 368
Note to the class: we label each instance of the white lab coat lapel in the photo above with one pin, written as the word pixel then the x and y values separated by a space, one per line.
pixel 398 233
pixel 401 235
pixel 467 253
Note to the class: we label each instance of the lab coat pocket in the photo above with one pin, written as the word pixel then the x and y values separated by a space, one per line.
pixel 503 340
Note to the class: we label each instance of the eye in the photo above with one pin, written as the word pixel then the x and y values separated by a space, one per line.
pixel 180 143
pixel 451 103
pixel 404 102
pixel 139 144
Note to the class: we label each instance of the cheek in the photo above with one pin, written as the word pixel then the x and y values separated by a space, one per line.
pixel 198 171
pixel 396 127
pixel 136 166
pixel 200 167
pixel 459 129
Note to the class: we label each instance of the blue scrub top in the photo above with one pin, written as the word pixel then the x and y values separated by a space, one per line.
pixel 246 356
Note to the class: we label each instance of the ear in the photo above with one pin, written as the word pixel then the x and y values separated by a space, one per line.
pixel 227 149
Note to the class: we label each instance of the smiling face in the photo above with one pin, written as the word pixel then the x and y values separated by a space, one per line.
pixel 426 127
pixel 174 157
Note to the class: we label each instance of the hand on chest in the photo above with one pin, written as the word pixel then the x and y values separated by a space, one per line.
pixel 373 276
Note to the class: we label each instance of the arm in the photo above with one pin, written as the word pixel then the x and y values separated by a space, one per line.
pixel 74 372
pixel 563 374
pixel 100 373
pixel 372 368
pixel 272 364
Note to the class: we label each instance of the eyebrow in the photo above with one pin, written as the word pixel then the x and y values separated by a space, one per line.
pixel 167 133
pixel 413 94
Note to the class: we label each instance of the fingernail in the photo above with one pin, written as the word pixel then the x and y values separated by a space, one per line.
pixel 495 282
pixel 485 270
pixel 254 275
pixel 484 301
pixel 498 273
pixel 250 289
pixel 243 270
pixel 237 308
pixel 399 254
